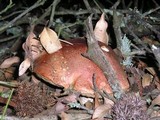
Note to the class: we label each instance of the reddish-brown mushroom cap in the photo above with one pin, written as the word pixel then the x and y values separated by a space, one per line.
pixel 69 69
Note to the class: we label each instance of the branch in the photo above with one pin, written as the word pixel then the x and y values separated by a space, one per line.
pixel 9 38
pixel 8 7
pixel 95 54
pixel 54 4
pixel 88 6
pixel 117 29
pixel 37 4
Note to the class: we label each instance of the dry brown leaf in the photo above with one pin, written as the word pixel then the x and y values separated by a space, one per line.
pixel 24 66
pixel 65 116
pixel 155 113
pixel 146 80
pixel 28 44
pixel 100 30
pixel 101 111
pixel 104 48
pixel 9 62
pixel 60 107
pixel 84 100
pixel 151 70
pixel 156 101
pixel 49 40
pixel 35 79
pixel 108 101
pixel 32 47
pixel 9 72
pixel 96 100
pixel 70 98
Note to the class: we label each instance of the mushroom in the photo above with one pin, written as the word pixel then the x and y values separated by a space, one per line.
pixel 67 68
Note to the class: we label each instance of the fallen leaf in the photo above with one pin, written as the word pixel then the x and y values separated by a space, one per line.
pixel 60 107
pixel 35 79
pixel 49 40
pixel 70 98
pixel 101 111
pixel 156 114
pixel 104 48
pixel 108 101
pixel 84 100
pixel 24 66
pixel 64 116
pixel 9 72
pixel 100 30
pixel 96 100
pixel 151 70
pixel 156 101
pixel 28 44
pixel 9 62
pixel 146 80
pixel 32 47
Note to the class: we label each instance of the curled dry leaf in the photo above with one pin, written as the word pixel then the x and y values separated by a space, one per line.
pixel 50 41
pixel 9 62
pixel 100 30
pixel 24 66
pixel 151 70
pixel 84 100
pixel 146 80
pixel 32 47
pixel 27 45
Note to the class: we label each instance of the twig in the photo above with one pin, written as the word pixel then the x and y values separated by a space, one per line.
pixel 129 5
pixel 136 38
pixel 63 27
pixel 5 109
pixel 88 6
pixel 134 35
pixel 117 30
pixel 136 3
pixel 116 4
pixel 144 23
pixel 155 2
pixel 123 4
pixel 8 84
pixel 150 11
pixel 71 12
pixel 43 15
pixel 94 51
pixel 142 5
pixel 8 7
pixel 12 14
pixel 102 10
pixel 37 4
pixel 54 4
pixel 9 38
